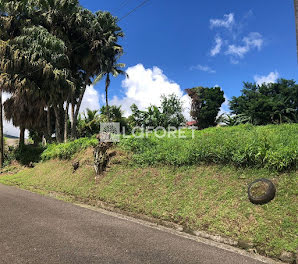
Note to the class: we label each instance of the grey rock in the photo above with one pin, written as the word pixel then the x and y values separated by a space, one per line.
pixel 287 257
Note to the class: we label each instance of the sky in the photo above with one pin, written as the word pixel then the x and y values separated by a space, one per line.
pixel 172 45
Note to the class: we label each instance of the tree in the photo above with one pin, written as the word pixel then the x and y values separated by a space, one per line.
pixel 206 103
pixel 115 70
pixel 272 103
pixel 54 50
pixel 35 66
pixel 112 53
pixel 116 115
pixel 89 123
pixel 168 114
pixel 171 107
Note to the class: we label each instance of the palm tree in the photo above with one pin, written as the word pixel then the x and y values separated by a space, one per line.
pixel 111 52
pixel 25 111
pixel 115 70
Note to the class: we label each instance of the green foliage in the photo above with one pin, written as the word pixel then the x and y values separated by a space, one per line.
pixel 115 115
pixel 206 103
pixel 172 111
pixel 115 112
pixel 28 153
pixel 273 147
pixel 88 123
pixel 272 103
pixel 50 52
pixel 67 150
pixel 210 198
pixel 169 114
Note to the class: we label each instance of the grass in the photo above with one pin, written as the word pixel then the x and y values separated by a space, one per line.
pixel 205 197
pixel 67 150
pixel 274 147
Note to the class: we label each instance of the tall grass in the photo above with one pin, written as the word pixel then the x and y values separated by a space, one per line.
pixel 67 150
pixel 274 147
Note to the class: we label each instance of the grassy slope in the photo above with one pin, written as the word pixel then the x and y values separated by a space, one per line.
pixel 205 197
pixel 274 147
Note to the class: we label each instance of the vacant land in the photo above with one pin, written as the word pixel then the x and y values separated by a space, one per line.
pixel 210 195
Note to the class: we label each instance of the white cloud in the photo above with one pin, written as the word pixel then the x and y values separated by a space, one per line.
pixel 270 78
pixel 239 51
pixel 203 68
pixel 90 99
pixel 235 45
pixel 253 40
pixel 227 21
pixel 225 108
pixel 144 87
pixel 217 48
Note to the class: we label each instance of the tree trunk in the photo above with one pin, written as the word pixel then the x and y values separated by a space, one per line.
pixel 22 137
pixel 107 99
pixel 1 133
pixel 66 122
pixel 75 108
pixel 49 127
pixel 58 125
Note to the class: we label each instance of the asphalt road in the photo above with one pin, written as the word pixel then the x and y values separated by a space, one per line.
pixel 38 229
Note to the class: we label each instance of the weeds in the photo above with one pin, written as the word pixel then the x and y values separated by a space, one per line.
pixel 67 150
pixel 274 147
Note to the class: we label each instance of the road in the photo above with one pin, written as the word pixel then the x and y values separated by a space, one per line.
pixel 39 229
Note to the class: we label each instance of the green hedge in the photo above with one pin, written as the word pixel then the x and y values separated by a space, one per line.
pixel 67 150
pixel 273 146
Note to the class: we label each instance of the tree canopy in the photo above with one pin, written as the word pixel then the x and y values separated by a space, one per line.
pixel 51 51
pixel 206 103
pixel 169 114
pixel 267 103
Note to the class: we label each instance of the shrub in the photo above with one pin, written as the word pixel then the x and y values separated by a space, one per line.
pixel 273 146
pixel 27 154
pixel 67 150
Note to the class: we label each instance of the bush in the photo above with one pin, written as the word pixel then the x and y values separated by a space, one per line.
pixel 274 147
pixel 67 150
pixel 27 154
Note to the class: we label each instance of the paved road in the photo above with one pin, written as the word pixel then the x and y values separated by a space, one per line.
pixel 37 229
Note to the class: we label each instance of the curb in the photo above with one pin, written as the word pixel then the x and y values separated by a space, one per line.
pixel 236 244
pixel 231 245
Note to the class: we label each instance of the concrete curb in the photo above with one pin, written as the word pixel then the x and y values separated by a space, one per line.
pixel 237 246
pixel 240 247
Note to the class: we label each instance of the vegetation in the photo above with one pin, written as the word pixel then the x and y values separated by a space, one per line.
pixel 273 147
pixel 168 115
pixel 206 197
pixel 89 121
pixel 67 150
pixel 50 51
pixel 206 103
pixel 272 103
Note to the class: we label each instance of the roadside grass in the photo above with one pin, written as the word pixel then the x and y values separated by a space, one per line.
pixel 273 146
pixel 212 198
pixel 67 150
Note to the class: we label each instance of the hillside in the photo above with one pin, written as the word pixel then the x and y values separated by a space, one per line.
pixel 211 198
pixel 199 183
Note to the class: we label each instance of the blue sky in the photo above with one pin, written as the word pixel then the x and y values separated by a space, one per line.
pixel 171 45
pixel 255 38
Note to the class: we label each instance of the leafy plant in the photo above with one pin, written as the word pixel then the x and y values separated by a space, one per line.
pixel 67 150
pixel 273 103
pixel 273 147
